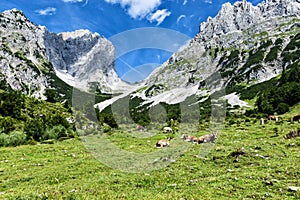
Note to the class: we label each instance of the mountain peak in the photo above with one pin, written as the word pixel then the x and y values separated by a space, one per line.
pixel 242 14
pixel 78 34
pixel 13 11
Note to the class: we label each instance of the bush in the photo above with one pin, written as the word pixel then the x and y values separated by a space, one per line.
pixel 55 132
pixel 106 128
pixel 7 124
pixel 14 138
pixel 282 108
pixel 34 128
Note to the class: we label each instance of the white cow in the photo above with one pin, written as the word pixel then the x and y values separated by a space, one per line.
pixel 167 129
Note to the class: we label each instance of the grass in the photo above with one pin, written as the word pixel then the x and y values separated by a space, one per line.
pixel 67 170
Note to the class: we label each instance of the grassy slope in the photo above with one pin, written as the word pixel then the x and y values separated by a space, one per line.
pixel 66 170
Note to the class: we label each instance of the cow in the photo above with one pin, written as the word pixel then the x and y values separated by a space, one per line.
pixel 163 143
pixel 190 138
pixel 296 118
pixel 208 138
pixel 167 129
pixel 273 117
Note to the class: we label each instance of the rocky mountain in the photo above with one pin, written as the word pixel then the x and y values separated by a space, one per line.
pixel 33 59
pixel 241 46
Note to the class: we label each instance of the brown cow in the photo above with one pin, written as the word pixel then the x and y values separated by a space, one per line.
pixel 296 118
pixel 163 143
pixel 189 138
pixel 208 138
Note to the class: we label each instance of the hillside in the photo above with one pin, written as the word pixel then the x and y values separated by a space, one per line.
pixel 242 46
pixel 244 54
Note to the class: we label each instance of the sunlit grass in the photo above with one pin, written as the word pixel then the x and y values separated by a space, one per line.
pixel 67 170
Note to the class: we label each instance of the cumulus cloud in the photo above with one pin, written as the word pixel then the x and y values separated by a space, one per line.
pixel 137 8
pixel 159 16
pixel 47 11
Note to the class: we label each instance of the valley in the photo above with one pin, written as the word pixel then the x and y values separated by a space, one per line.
pixel 70 128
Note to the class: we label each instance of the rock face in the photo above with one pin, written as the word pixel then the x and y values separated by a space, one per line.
pixel 32 58
pixel 242 14
pixel 88 58
pixel 22 59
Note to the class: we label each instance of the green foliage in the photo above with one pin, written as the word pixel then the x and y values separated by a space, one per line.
pixel 30 116
pixel 139 114
pixel 11 104
pixel 61 87
pixel 279 99
pixel 4 85
pixel 54 132
pixel 254 58
pixel 8 124
pixel 228 64
pixel 21 56
pixel 294 45
pixel 34 128
pixel 273 54
pixel 173 112
pixel 265 44
pixel 292 74
pixel 51 95
pixel 276 95
pixel 14 138
pixel 106 117
pixel 278 41
pixel 251 92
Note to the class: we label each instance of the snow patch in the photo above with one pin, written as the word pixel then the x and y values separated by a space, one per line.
pixel 234 99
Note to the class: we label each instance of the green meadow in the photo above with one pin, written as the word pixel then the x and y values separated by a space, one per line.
pixel 248 161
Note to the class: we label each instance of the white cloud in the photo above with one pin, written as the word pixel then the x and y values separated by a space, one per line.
pixel 47 11
pixel 185 2
pixel 137 8
pixel 159 16
pixel 72 1
pixel 179 18
pixel 208 1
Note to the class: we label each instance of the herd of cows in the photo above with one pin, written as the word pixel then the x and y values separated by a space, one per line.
pixel 295 118
pixel 188 138
pixel 213 136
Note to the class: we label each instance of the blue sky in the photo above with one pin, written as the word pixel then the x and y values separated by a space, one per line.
pixel 111 17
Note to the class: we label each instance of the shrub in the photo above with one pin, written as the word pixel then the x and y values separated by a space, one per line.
pixel 14 138
pixel 17 138
pixel 106 128
pixel 55 132
pixel 7 124
pixel 34 128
